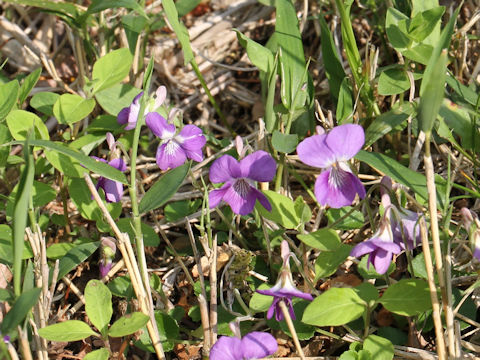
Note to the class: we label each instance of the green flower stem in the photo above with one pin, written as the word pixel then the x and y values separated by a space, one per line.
pixel 291 327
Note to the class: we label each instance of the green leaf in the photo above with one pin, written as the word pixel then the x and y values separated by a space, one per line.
pixel 393 81
pixel 44 101
pixel 285 143
pixel 331 60
pixel 98 305
pixel 20 122
pixel 65 8
pixel 380 348
pixel 75 257
pixel 408 297
pixel 57 251
pixel 432 87
pixel 100 5
pixel 354 220
pixel 100 354
pixel 117 97
pixel 259 302
pixel 20 212
pixel 432 92
pixel 5 137
pixel 150 237
pixel 71 330
pixel 28 84
pixel 368 292
pixel 394 119
pixel 8 97
pixel 328 261
pixel 98 167
pixel 128 324
pixel 19 310
pixel 71 108
pixel 179 209
pixel 420 53
pixel 458 119
pixel 423 23
pixel 111 69
pixel 292 59
pixel 336 306
pixel 323 239
pixel 303 210
pixel 258 54
pixel 466 93
pixel 283 210
pixel 345 101
pixel 121 286
pixel 411 179
pixel 179 29
pixel 396 29
pixel 164 188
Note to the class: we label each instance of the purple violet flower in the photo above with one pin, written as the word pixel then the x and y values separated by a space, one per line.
pixel 380 247
pixel 239 190
pixel 6 339
pixel 175 148
pixel 255 345
pixel 284 289
pixel 129 115
pixel 113 189
pixel 336 185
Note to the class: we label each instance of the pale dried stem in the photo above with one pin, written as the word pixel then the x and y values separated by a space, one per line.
pixel 213 292
pixel 125 247
pixel 203 296
pixel 291 327
pixel 24 344
pixel 437 320
pixel 434 228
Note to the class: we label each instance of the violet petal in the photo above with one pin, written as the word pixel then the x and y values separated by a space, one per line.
pixel 258 166
pixel 216 196
pixel 337 188
pixel 314 151
pixel 240 198
pixel 382 260
pixel 345 141
pixel 224 169
pixel 158 125
pixel 227 348
pixel 257 345
pixel 191 138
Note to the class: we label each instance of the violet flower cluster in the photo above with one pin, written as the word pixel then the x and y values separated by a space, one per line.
pixel 397 231
pixel 284 289
pixel 239 177
pixel 175 146
pixel 337 185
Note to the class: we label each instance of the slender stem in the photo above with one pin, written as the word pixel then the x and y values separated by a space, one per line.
pixel 291 327
pixel 437 320
pixel 432 207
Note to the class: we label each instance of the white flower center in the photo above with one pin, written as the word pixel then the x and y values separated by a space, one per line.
pixel 338 177
pixel 241 187
pixel 171 147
